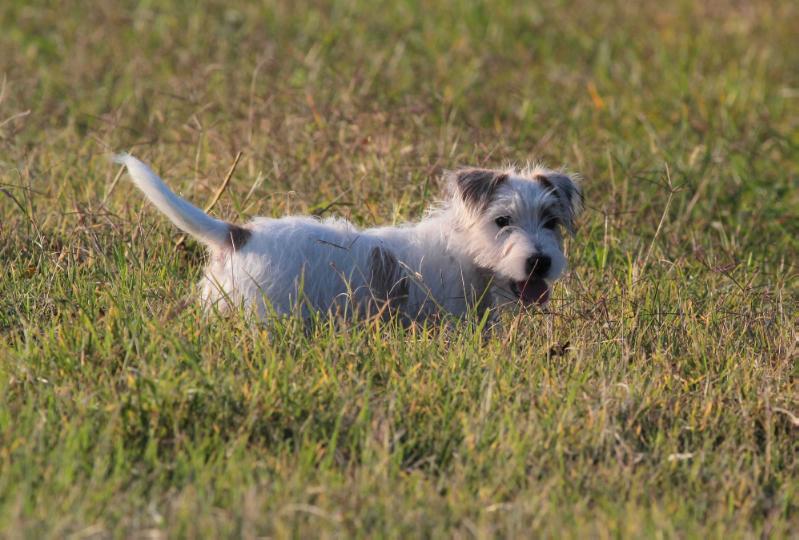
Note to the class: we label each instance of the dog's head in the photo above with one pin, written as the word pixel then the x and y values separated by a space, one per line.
pixel 514 221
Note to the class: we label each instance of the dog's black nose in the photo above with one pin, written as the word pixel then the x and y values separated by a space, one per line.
pixel 538 265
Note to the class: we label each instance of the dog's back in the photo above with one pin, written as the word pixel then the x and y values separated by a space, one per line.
pixel 280 264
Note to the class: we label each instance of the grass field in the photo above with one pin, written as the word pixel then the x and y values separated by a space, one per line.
pixel 659 398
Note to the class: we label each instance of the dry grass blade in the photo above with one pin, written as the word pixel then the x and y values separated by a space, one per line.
pixel 220 190
pixel 792 418
pixel 114 183
pixel 645 262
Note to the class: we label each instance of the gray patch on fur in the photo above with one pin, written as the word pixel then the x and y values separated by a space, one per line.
pixel 386 279
pixel 477 186
pixel 567 192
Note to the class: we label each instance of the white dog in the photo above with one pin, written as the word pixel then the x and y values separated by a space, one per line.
pixel 494 240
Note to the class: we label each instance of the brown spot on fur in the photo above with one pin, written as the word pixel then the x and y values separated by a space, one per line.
pixel 238 236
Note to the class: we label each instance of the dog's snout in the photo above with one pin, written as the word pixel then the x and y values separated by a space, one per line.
pixel 538 265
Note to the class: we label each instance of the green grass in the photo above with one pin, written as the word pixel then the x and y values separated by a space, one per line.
pixel 659 398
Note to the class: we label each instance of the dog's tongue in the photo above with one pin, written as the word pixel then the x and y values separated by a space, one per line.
pixel 533 291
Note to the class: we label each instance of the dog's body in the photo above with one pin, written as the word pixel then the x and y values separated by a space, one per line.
pixel 494 240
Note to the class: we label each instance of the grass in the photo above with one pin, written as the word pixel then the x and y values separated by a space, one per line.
pixel 658 398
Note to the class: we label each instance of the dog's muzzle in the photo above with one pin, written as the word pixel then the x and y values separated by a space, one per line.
pixel 535 289
pixel 532 291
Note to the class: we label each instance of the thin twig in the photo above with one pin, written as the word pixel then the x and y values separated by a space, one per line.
pixel 14 117
pixel 225 183
pixel 662 219
pixel 114 183
pixel 19 205
pixel 217 195
pixel 791 417
pixel 25 212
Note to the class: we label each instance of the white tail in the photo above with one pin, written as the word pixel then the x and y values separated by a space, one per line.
pixel 213 232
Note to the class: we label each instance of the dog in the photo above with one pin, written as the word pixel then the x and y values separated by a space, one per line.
pixel 494 240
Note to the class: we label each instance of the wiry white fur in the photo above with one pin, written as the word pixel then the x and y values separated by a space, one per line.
pixel 453 260
pixel 327 262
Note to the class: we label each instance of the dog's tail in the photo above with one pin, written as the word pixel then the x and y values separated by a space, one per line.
pixel 211 231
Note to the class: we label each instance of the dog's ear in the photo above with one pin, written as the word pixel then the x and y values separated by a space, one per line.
pixel 567 189
pixel 477 186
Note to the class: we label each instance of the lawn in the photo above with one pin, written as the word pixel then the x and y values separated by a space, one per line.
pixel 658 396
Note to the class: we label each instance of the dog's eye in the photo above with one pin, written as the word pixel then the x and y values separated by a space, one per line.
pixel 551 223
pixel 502 221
